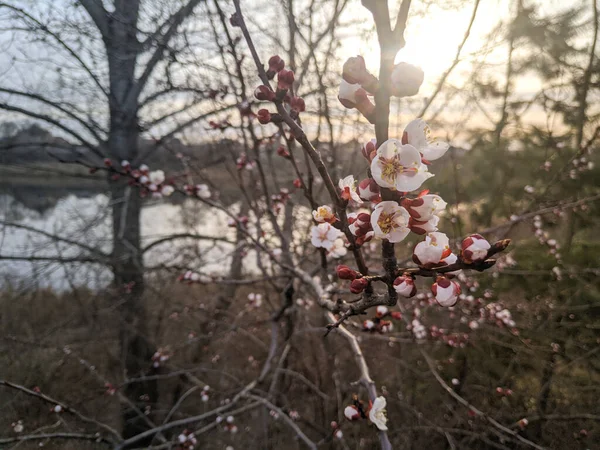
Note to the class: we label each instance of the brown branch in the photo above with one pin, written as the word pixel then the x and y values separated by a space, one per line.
pixel 64 407
pixel 472 408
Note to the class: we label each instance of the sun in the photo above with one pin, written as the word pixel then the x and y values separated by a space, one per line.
pixel 432 37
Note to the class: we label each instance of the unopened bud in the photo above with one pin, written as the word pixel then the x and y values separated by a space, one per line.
pixel 276 64
pixel 264 116
pixel 346 273
pixel 358 285
pixel 285 79
pixel 297 104
pixel 264 93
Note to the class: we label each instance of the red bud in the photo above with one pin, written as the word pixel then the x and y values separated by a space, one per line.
pixel 264 116
pixel 358 285
pixel 276 64
pixel 346 273
pixel 285 79
pixel 264 93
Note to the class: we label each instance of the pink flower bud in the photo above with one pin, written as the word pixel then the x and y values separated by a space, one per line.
pixel 264 93
pixel 346 273
pixel 368 325
pixel 281 151
pixel 405 286
pixel 406 80
pixel 355 70
pixel 369 150
pixel 397 315
pixel 285 79
pixel 446 291
pixel 382 311
pixel 298 183
pixel 421 228
pixel 297 104
pixel 276 64
pixel 108 162
pixel 351 413
pixel 474 248
pixel 264 116
pixel 358 285
pixel 424 207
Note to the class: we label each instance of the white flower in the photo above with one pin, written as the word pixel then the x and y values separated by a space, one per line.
pixel 424 207
pixel 432 250
pixel 449 260
pixel 351 413
pixel 338 249
pixel 529 189
pixel 202 191
pixel 446 291
pixel 18 427
pixel 368 189
pixel 156 177
pixel 405 286
pixel 324 235
pixel 474 248
pixel 348 188
pixel 377 413
pixel 381 311
pixel 418 329
pixel 339 434
pixel 390 221
pixel 398 167
pixel 347 94
pixel 386 326
pixel 418 134
pixel 429 226
pixel 167 190
pixel 143 179
pixel 406 80
pixel 254 300
pixel 324 214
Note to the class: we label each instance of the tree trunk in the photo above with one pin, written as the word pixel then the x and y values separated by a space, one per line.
pixel 128 271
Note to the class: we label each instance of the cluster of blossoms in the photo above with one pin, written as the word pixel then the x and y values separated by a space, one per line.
pixel 161 356
pixel 375 412
pixel 18 426
pixel 243 162
pixel 151 182
pixel 358 84
pixel 283 93
pixel 400 167
pixel 580 165
pixel 504 392
pixel 328 237
pixel 198 190
pixel 204 396
pixel 337 431
pixel 279 200
pixel 379 324
pixel 544 238
pixel 187 440
pixel 191 277
pixel 254 300
pixel 228 424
